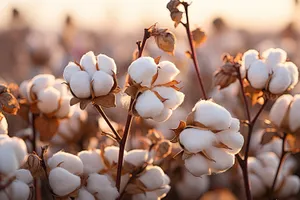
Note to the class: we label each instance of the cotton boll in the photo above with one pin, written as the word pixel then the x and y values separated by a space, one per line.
pixel 106 64
pixel 70 70
pixel 167 72
pixel 142 70
pixel 64 109
pixel 172 96
pixel 20 149
pixel 290 186
pixel 80 84
pixel 294 73
pixel 106 191
pixel 249 57
pixel 294 114
pixel 222 160
pixel 60 86
pixel 195 140
pixel 42 81
pixel 136 157
pixel 111 153
pixel 234 140
pixel 164 115
pixel 88 63
pixel 148 105
pixel 92 161
pixel 3 126
pixel 102 83
pixel 281 80
pixel 212 115
pixel 257 186
pixel 8 160
pixel 48 100
pixel 67 161
pixel 24 175
pixel 258 74
pixel 197 165
pixel 63 182
pixel 280 108
pixel 19 190
pixel 84 195
pixel 274 57
pixel 153 178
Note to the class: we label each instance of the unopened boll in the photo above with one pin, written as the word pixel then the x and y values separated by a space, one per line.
pixel 270 72
pixel 159 96
pixel 93 74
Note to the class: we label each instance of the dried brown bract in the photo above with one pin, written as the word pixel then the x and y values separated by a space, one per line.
pixel 199 37
pixel 9 103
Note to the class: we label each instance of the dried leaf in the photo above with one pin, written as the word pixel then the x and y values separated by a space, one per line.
pixel 106 101
pixel 9 103
pixel 177 131
pixel 157 59
pixel 199 37
pixel 132 91
pixel 267 137
pixel 74 101
pixel 84 104
pixel 47 127
pixel 133 189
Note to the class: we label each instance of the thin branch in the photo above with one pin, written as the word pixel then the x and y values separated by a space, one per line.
pixel 281 161
pixel 33 143
pixel 102 113
pixel 244 95
pixel 193 52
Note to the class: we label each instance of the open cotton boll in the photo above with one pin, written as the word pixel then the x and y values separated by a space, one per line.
pixel 280 108
pixel 20 149
pixel 88 63
pixel 142 70
pixel 167 72
pixel 92 161
pixel 136 157
pixel 274 57
pixel 148 105
pixel 24 88
pixel 64 109
pixel 70 70
pixel 153 178
pixel 290 187
pixel 257 186
pixel 60 86
pixel 234 140
pixel 212 115
pixel 294 73
pixel 222 160
pixel 106 64
pixel 258 74
pixel 19 190
pixel 84 195
pixel 164 115
pixel 172 96
pixel 249 57
pixel 80 84
pixel 24 175
pixel 294 114
pixel 102 83
pixel 3 126
pixel 8 160
pixel 42 81
pixel 281 80
pixel 111 153
pixel 195 140
pixel 48 100
pixel 197 165
pixel 63 182
pixel 67 161
pixel 106 191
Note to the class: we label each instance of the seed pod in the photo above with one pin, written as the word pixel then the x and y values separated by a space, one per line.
pixel 199 37
pixel 166 41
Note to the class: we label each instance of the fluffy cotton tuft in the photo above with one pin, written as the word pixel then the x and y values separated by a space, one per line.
pixel 173 97
pixel 80 84
pixel 48 100
pixel 167 72
pixel 281 80
pixel 106 64
pixel 258 74
pixel 102 83
pixel 136 157
pixel 3 126
pixel 92 161
pixel 88 63
pixel 197 165
pixel 153 178
pixel 111 153
pixel 249 57
pixel 41 82
pixel 70 70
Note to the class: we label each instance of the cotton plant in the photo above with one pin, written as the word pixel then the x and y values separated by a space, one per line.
pixel 48 99
pixel 153 86
pixel 210 138
pixel 13 154
pixel 93 79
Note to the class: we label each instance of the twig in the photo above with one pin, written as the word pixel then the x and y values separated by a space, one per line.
pixel 33 142
pixel 281 161
pixel 102 113
pixel 129 118
pixel 193 52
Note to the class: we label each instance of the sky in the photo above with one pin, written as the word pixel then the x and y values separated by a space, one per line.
pixel 253 15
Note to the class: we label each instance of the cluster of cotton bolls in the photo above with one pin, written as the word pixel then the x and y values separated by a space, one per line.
pixel 262 170
pixel 93 76
pixel 69 128
pixel 50 95
pixel 91 175
pixel 269 71
pixel 13 153
pixel 156 88
pixel 3 124
pixel 210 139
pixel 285 113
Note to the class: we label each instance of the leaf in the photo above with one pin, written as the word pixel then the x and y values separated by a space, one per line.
pixel 84 103
pixel 106 101
pixel 132 91
pixel 47 127
pixel 74 101
pixel 177 131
